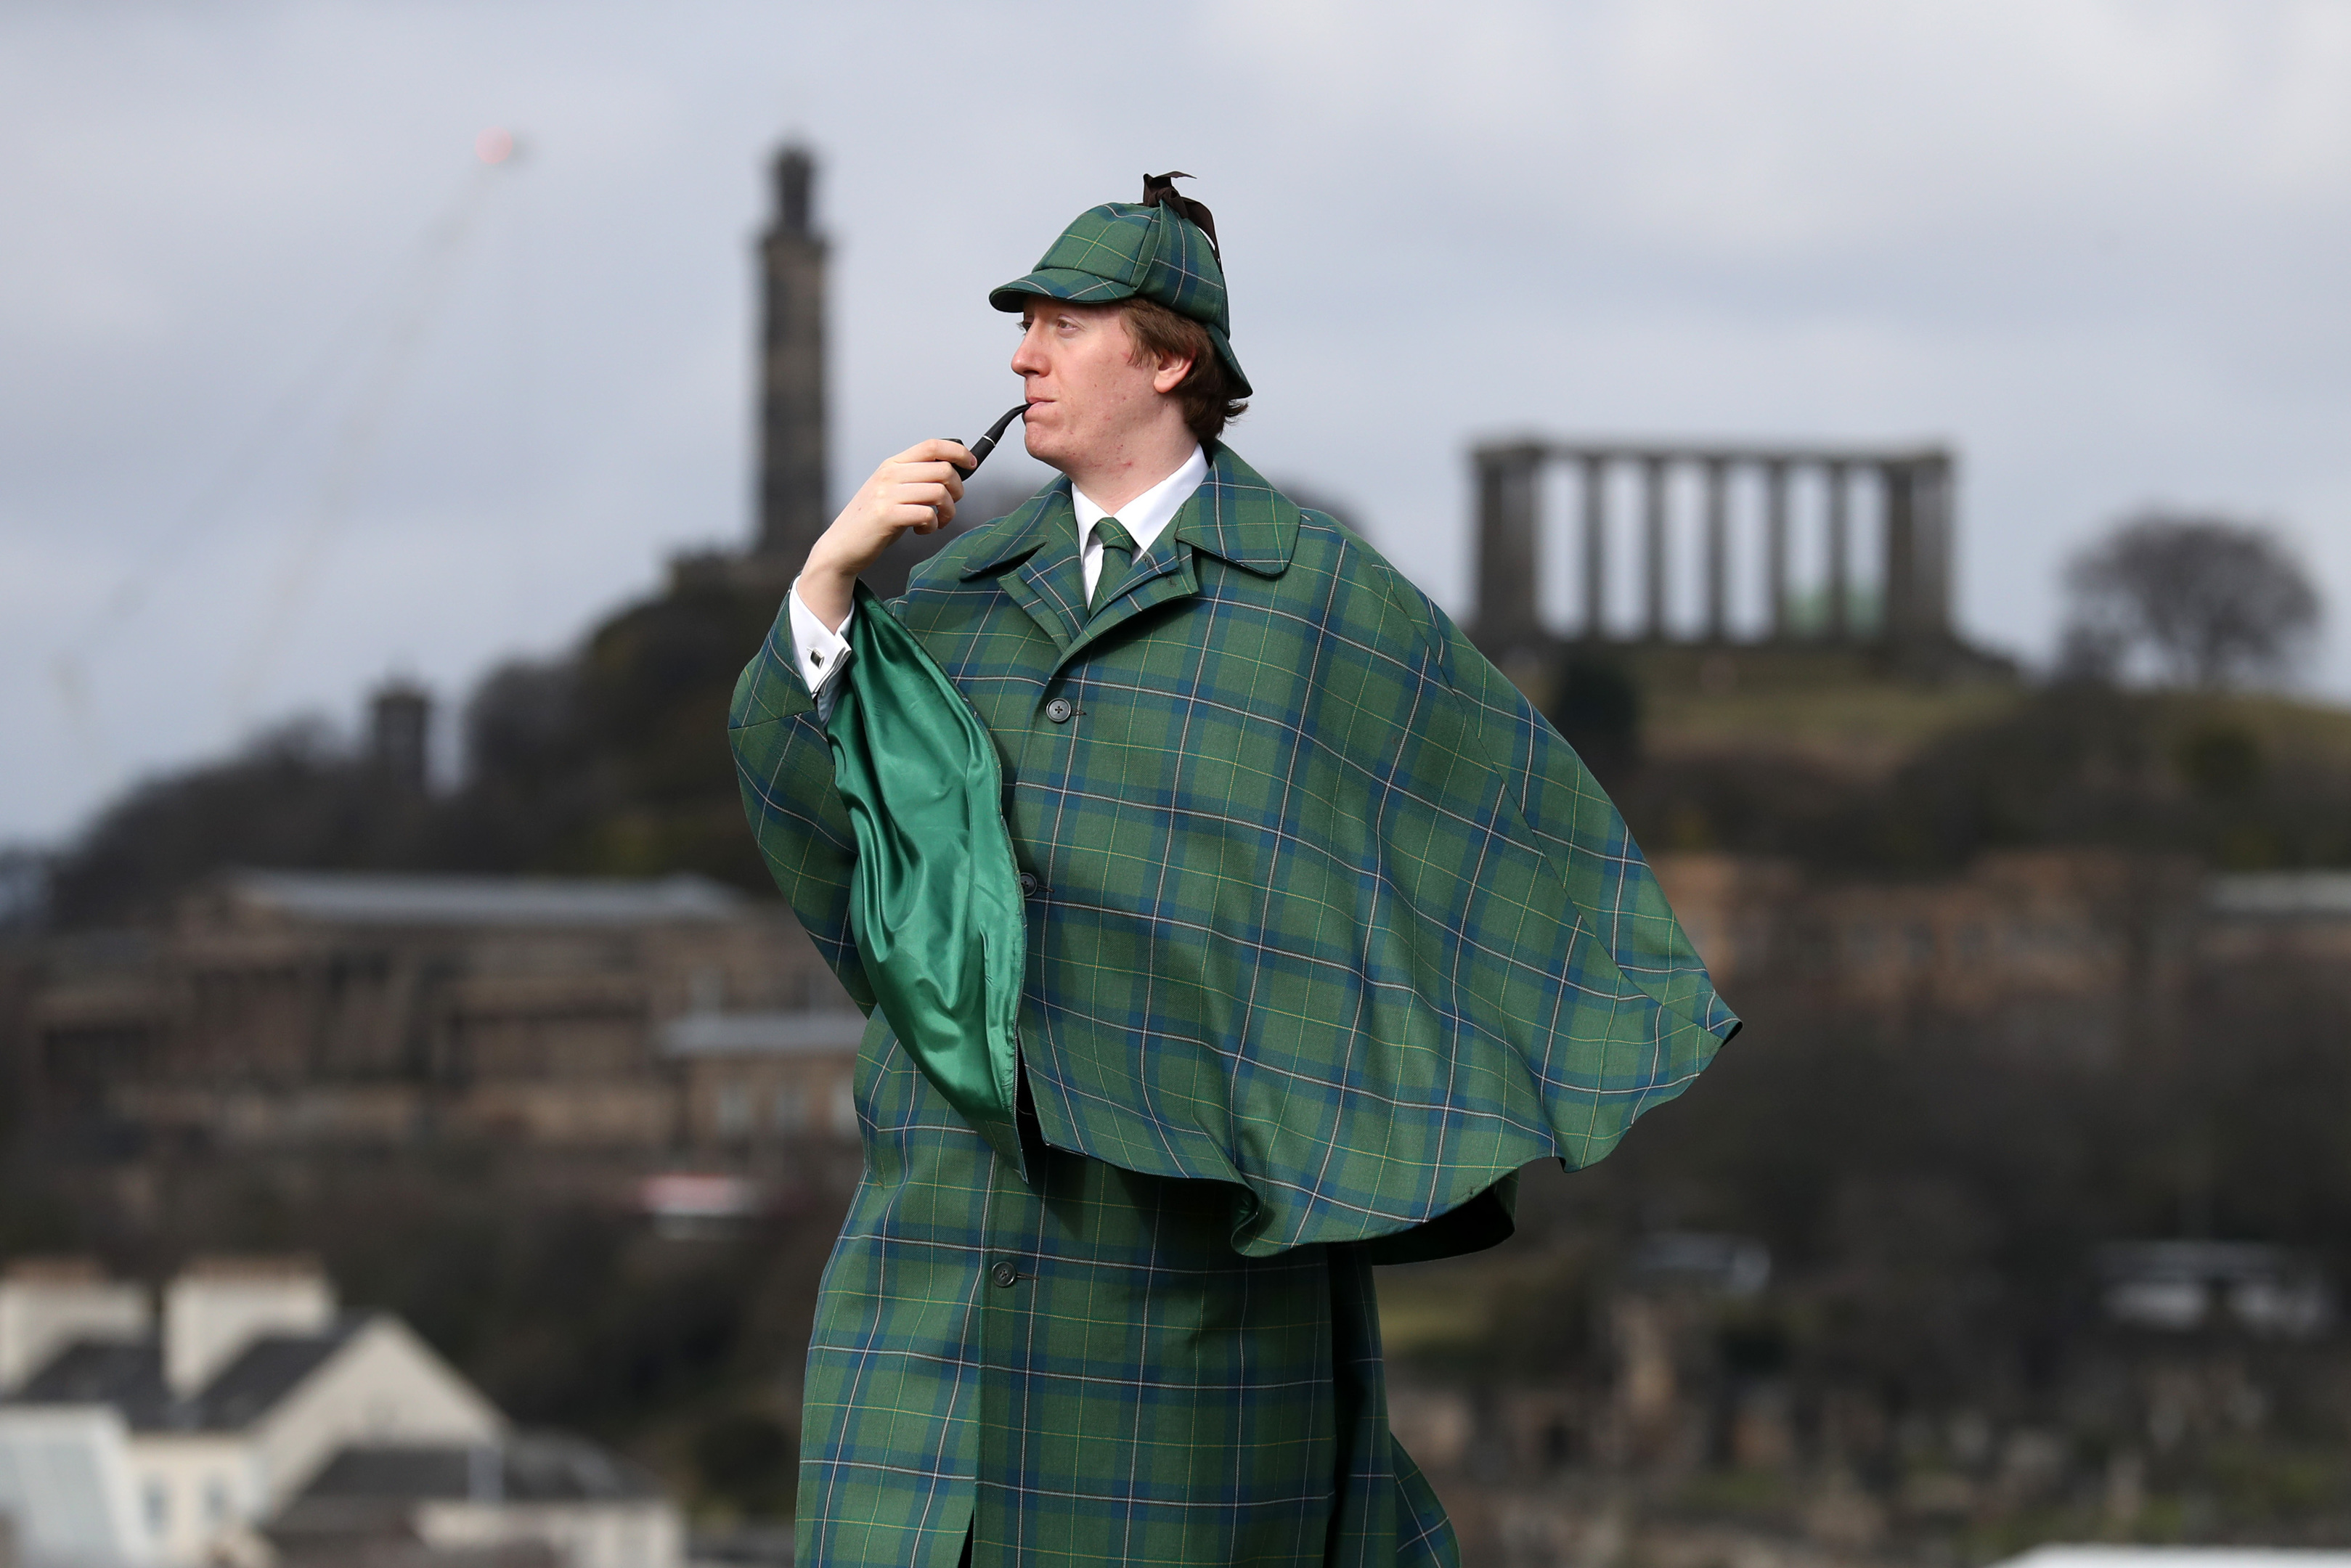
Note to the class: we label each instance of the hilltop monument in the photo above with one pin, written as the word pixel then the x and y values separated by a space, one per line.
pixel 792 480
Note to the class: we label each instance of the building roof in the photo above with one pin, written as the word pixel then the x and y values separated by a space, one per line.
pixel 128 1376
pixel 763 1034
pixel 372 898
pixel 266 1371
pixel 1735 1265
pixel 2281 895
pixel 2179 1557
pixel 536 1466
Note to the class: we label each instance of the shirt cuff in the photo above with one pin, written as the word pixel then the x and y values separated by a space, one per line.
pixel 818 650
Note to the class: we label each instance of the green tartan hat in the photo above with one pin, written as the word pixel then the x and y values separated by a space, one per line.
pixel 1163 247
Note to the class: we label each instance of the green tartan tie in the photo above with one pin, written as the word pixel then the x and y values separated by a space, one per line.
pixel 1118 555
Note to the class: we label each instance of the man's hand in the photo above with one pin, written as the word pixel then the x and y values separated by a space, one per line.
pixel 915 492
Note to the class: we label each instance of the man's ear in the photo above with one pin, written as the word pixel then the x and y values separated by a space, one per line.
pixel 1171 372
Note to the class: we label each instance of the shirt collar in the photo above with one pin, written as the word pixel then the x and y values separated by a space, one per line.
pixel 1147 515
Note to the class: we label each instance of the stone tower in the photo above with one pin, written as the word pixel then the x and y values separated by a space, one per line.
pixel 400 727
pixel 792 490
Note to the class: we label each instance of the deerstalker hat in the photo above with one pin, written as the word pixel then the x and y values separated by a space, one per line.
pixel 1163 247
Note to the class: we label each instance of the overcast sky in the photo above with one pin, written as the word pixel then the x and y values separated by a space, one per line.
pixel 296 391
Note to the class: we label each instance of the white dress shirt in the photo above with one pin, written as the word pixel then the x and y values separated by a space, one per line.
pixel 821 650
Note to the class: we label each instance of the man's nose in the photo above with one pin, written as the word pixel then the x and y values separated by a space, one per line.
pixel 1026 360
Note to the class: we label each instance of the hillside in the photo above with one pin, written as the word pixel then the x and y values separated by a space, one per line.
pixel 612 760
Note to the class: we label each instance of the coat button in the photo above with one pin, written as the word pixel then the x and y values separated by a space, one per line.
pixel 1027 884
pixel 1059 710
pixel 1005 1275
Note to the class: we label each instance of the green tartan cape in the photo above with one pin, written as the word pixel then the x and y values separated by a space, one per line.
pixel 1321 913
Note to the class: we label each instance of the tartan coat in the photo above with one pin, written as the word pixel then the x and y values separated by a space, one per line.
pixel 1329 933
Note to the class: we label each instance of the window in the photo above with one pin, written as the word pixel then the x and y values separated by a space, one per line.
pixel 733 1112
pixel 158 1498
pixel 216 1502
pixel 791 1109
pixel 844 1108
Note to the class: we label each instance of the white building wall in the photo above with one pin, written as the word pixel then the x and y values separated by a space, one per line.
pixel 40 1315
pixel 647 1534
pixel 385 1386
pixel 196 1494
pixel 66 1481
pixel 211 1312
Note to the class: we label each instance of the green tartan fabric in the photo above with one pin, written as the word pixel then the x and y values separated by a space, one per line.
pixel 1129 1390
pixel 1322 907
pixel 1325 921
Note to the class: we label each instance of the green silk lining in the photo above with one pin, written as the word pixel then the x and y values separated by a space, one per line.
pixel 935 901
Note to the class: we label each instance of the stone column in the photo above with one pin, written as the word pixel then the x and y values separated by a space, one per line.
pixel 1775 544
pixel 1840 608
pixel 1717 552
pixel 1596 546
pixel 1505 547
pixel 1897 598
pixel 1933 498
pixel 1653 525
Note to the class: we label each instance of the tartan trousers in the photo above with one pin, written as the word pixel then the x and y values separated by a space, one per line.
pixel 1078 1368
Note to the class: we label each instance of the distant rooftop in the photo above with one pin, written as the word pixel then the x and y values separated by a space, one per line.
pixel 128 1376
pixel 1735 1265
pixel 541 1467
pixel 2281 895
pixel 762 1034
pixel 2179 1557
pixel 373 898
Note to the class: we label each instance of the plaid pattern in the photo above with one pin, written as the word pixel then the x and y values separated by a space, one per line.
pixel 1121 249
pixel 1325 915
pixel 1137 1393
pixel 1324 908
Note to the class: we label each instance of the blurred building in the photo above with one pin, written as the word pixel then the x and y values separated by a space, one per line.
pixel 251 1420
pixel 748 1075
pixel 291 1007
pixel 2188 1287
pixel 2057 952
pixel 2296 914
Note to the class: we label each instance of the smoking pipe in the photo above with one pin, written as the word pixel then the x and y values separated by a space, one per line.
pixel 987 443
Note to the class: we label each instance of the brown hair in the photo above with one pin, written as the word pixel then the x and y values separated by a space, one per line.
pixel 1206 393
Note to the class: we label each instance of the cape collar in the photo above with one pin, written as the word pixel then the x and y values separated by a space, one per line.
pixel 1233 516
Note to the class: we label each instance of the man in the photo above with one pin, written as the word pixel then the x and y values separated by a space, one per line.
pixel 1229 926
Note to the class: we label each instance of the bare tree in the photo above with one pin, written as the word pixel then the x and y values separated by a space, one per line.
pixel 2211 601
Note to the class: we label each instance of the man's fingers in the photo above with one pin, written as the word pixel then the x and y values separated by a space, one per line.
pixel 931 494
pixel 946 474
pixel 920 507
pixel 939 450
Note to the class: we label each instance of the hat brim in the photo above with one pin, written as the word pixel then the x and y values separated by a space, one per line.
pixel 1060 283
pixel 1085 289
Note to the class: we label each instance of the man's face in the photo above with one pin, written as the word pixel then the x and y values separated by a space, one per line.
pixel 1088 402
